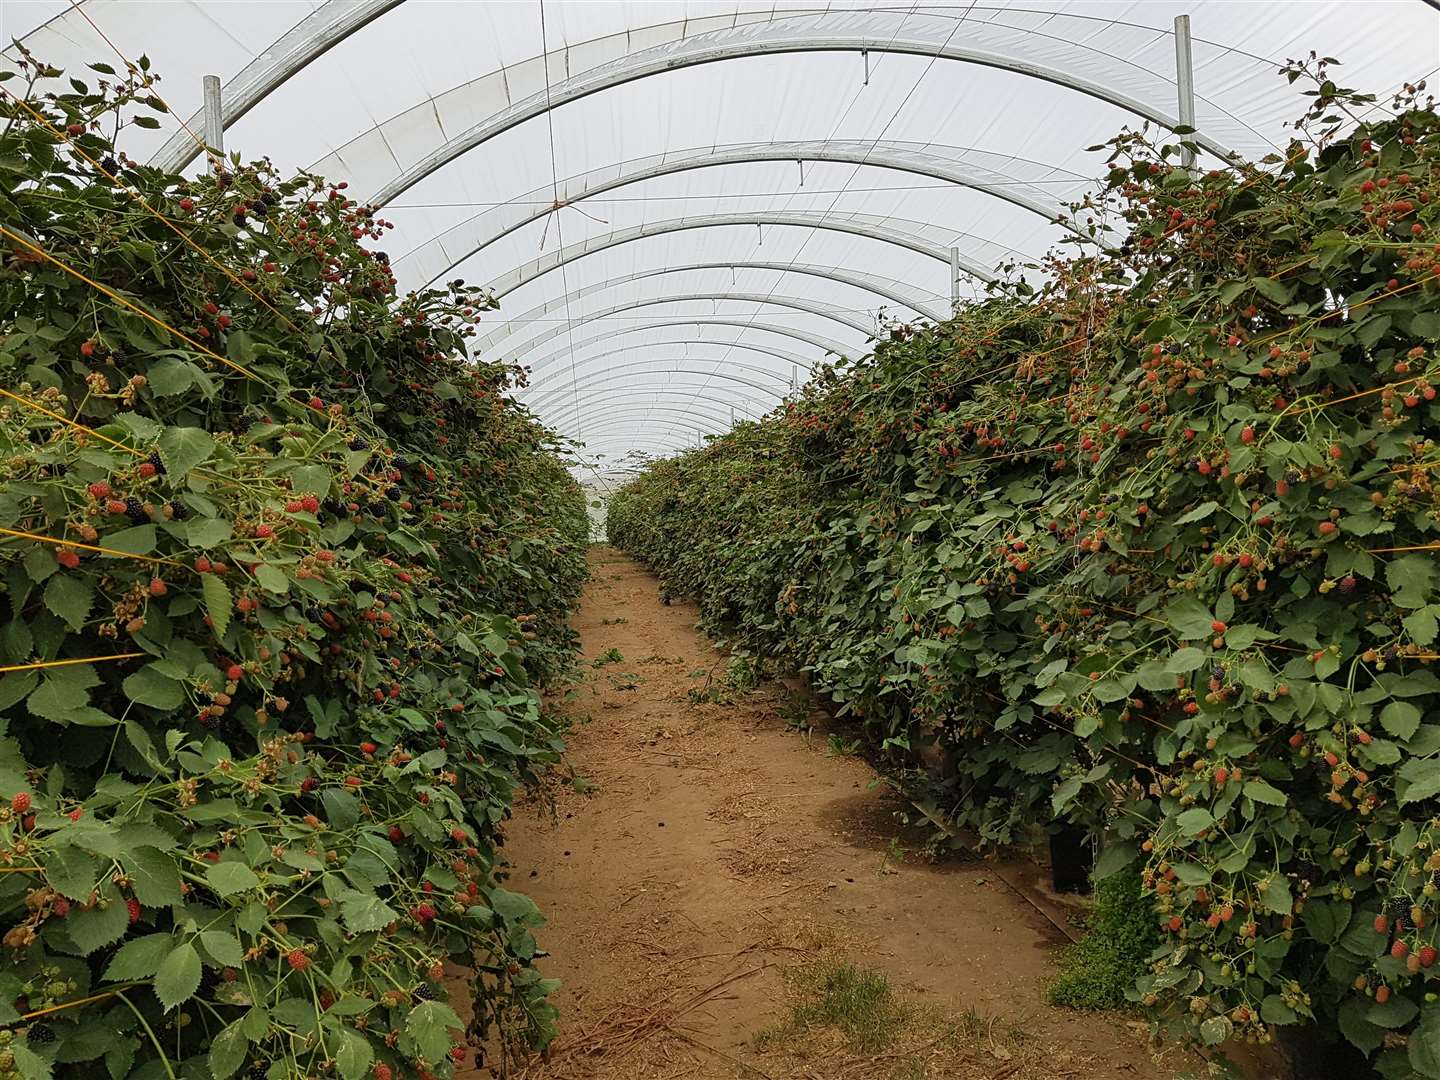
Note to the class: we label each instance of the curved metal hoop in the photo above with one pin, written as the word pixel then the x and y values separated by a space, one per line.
pixel 537 381
pixel 894 291
pixel 555 398
pixel 824 344
pixel 906 234
pixel 631 305
pixel 962 166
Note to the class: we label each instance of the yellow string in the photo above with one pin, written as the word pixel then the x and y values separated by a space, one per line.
pixel 1415 547
pixel 87 547
pixel 65 420
pixel 133 307
pixel 64 663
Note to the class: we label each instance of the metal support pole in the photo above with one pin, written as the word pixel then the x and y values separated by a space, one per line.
pixel 1185 85
pixel 214 116
pixel 954 281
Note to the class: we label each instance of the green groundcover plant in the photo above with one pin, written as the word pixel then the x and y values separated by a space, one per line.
pixel 1150 549
pixel 281 572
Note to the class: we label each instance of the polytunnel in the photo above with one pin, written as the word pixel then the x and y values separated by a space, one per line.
pixel 810 170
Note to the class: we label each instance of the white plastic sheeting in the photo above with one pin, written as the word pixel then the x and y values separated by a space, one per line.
pixel 659 187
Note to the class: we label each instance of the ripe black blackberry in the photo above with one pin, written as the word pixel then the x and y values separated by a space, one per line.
pixel 378 509
pixel 154 459
pixel 258 1072
pixel 239 218
pixel 424 992
pixel 393 493
pixel 268 198
pixel 1398 907
pixel 135 512
pixel 178 511
pixel 110 165
pixel 40 1035
pixel 358 444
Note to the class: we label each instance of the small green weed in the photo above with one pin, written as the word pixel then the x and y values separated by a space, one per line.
pixel 1096 972
pixel 859 1002
pixel 840 746
pixel 609 656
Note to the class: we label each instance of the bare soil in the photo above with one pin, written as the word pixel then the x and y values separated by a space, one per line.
pixel 710 848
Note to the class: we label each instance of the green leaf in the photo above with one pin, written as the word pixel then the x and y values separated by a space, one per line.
pixel 366 913
pixel 1200 513
pixel 100 926
pixel 1195 821
pixel 206 533
pixel 228 1051
pixel 1395 1013
pixel 1325 919
pixel 140 958
pixel 31 1065
pixel 139 540
pixel 170 376
pixel 311 480
pixel 513 907
pixel 1411 579
pixel 272 579
pixel 182 448
pixel 1114 857
pixel 1400 719
pixel 1425 787
pixel 355 1055
pixel 73 872
pixel 230 877
pixel 1183 660
pixel 151 687
pixel 1276 897
pixel 218 603
pixel 156 877
pixel 1263 792
pixel 1189 618
pixel 178 977
pixel 1421 625
pixel 429 1025
pixel 70 597
pixel 223 947
pixel 1424 1043
pixel 58 698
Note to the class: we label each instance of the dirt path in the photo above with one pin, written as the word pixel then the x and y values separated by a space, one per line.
pixel 712 849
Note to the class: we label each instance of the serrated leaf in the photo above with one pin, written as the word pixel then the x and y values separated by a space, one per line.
pixel 223 947
pixel 230 877
pixel 1263 792
pixel 139 540
pixel 1419 624
pixel 57 699
pixel 156 877
pixel 1411 579
pixel 1189 618
pixel 311 480
pixel 429 1025
pixel 228 1051
pixel 1400 719
pixel 100 926
pixel 355 1055
pixel 205 533
pixel 150 687
pixel 183 448
pixel 71 598
pixel 30 1064
pixel 73 872
pixel 218 603
pixel 366 913
pixel 272 579
pixel 140 958
pixel 1195 821
pixel 178 977
pixel 1423 1046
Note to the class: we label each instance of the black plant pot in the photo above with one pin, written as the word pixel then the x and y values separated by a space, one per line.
pixel 1316 1054
pixel 1072 856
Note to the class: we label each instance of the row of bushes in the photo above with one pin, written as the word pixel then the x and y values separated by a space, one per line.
pixel 281 572
pixel 1150 550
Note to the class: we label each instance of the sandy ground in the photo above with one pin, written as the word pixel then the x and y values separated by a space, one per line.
pixel 712 848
